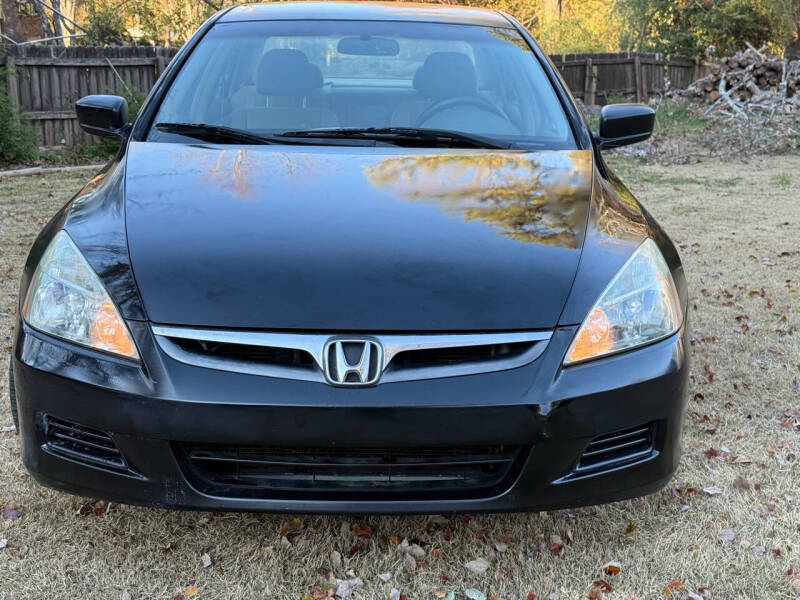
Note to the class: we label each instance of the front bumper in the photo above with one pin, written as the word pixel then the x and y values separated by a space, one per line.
pixel 554 413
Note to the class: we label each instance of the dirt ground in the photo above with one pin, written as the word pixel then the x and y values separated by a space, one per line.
pixel 727 526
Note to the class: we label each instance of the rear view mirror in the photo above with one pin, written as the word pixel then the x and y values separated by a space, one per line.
pixel 624 124
pixel 368 46
pixel 102 115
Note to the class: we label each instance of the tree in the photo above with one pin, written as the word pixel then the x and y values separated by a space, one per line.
pixel 11 20
pixel 690 26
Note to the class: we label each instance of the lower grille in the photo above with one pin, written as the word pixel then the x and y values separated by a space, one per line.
pixel 319 473
pixel 616 449
pixel 82 444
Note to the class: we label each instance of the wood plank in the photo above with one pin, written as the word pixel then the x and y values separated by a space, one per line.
pixel 36 91
pixel 50 114
pixel 85 62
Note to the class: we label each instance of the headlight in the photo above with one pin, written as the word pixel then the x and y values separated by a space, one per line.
pixel 67 300
pixel 638 307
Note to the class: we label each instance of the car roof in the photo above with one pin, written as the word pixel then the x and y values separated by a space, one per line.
pixel 366 11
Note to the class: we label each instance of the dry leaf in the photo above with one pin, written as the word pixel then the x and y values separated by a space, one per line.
pixel 363 532
pixel 611 568
pixel 289 527
pixel 740 483
pixel 556 545
pixel 477 566
pixel 345 587
pixel 673 585
pixel 191 591
pixel 630 529
pixel 12 510
pixel 727 535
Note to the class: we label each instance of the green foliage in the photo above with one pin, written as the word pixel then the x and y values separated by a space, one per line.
pixel 690 26
pixel 105 25
pixel 17 142
pixel 678 120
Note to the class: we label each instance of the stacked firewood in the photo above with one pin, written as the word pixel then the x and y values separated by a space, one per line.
pixel 751 80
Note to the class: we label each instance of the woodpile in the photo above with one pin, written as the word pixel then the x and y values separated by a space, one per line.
pixel 749 81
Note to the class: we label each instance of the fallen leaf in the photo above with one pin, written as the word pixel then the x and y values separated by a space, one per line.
pixel 191 591
pixel 363 532
pixel 597 589
pixel 291 526
pixel 345 587
pixel 474 594
pixel 531 596
pixel 205 560
pixel 630 529
pixel 672 586
pixel 354 549
pixel 612 568
pixel 741 484
pixel 12 510
pixel 727 535
pixel 556 545
pixel 477 566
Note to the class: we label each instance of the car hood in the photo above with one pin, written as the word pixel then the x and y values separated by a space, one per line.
pixel 355 239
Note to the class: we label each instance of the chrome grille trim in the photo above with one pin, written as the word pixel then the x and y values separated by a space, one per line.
pixel 314 344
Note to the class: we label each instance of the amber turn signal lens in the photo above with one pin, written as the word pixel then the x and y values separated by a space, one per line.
pixel 109 333
pixel 594 338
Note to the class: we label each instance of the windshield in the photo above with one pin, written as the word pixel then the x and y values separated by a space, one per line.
pixel 268 77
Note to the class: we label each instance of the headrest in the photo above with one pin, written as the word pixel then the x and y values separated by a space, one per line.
pixel 286 72
pixel 445 75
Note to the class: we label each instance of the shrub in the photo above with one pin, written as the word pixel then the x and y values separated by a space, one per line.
pixel 17 144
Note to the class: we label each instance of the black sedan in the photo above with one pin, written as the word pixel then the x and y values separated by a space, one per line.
pixel 354 258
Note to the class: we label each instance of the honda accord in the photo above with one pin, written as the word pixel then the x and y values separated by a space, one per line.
pixel 354 258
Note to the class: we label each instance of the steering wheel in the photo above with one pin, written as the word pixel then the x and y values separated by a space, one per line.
pixel 448 103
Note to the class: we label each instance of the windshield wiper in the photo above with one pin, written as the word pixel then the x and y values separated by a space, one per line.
pixel 402 136
pixel 221 134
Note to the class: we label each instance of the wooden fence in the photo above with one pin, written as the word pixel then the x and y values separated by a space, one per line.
pixel 45 81
pixel 594 78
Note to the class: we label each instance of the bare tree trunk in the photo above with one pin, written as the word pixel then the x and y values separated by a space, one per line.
pixel 11 20
pixel 46 26
pixel 57 20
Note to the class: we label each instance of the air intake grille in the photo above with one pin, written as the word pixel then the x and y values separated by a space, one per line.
pixel 616 449
pixel 82 444
pixel 365 473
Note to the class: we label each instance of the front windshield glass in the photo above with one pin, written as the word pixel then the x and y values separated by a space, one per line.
pixel 268 77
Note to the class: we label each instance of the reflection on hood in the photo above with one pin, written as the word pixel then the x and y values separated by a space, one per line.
pixel 538 197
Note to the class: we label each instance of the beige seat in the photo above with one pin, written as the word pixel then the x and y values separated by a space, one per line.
pixel 284 81
pixel 442 75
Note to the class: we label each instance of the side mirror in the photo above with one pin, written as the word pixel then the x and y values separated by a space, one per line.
pixel 106 116
pixel 624 124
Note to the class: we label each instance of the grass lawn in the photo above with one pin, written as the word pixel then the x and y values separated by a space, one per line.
pixel 738 228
